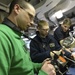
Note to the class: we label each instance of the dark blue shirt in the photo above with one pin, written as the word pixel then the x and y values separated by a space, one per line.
pixel 59 34
pixel 40 48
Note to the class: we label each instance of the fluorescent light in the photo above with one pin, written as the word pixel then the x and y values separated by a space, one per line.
pixel 59 14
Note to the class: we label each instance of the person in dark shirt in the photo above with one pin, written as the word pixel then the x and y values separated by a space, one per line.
pixel 62 31
pixel 43 43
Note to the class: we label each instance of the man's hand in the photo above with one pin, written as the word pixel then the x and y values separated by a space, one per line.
pixel 47 59
pixel 73 55
pixel 55 52
pixel 48 68
pixel 68 49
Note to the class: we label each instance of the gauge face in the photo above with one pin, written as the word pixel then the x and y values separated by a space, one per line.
pixel 67 41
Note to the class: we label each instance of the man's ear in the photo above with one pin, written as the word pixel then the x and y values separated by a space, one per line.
pixel 16 8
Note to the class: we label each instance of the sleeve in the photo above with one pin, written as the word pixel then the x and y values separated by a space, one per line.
pixel 58 35
pixel 37 68
pixel 42 73
pixel 36 54
pixel 4 54
pixel 57 46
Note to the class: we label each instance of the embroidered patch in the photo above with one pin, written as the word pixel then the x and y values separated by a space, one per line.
pixel 52 44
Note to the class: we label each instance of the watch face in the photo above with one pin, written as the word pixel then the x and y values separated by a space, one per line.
pixel 67 42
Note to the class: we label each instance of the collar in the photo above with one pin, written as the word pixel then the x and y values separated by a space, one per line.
pixel 10 24
pixel 40 38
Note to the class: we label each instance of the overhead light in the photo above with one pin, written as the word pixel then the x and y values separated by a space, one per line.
pixel 59 14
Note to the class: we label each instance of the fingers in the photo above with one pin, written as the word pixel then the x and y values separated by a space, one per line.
pixel 51 67
pixel 52 55
pixel 48 59
pixel 52 72
pixel 48 68
pixel 57 52
pixel 73 55
pixel 47 62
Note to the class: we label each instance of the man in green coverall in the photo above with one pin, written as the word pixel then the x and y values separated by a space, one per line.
pixel 14 57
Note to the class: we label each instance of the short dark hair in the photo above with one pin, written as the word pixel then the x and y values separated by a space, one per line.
pixel 22 3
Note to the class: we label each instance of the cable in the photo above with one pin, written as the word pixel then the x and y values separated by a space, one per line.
pixel 69 59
